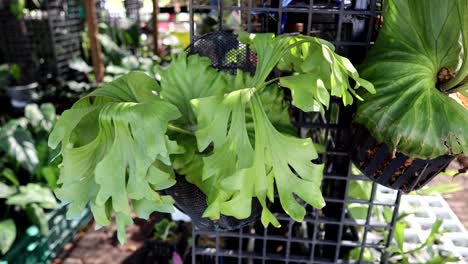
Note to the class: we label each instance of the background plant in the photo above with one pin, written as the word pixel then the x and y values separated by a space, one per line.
pixel 27 176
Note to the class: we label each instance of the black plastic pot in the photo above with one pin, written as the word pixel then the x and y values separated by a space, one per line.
pixel 21 95
pixel 192 201
pixel 152 252
pixel 398 171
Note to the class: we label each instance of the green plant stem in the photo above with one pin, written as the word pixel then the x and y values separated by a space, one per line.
pixel 457 88
pixel 271 66
pixel 265 84
pixel 410 252
pixel 179 130
pixel 430 239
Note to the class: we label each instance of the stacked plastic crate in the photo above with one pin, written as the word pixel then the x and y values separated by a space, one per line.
pixel 43 40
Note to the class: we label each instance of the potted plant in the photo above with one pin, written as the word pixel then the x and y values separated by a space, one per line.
pixel 228 134
pixel 411 127
pixel 33 226
pixel 20 93
pixel 168 241
pixel 24 168
pixel 165 237
pixel 24 205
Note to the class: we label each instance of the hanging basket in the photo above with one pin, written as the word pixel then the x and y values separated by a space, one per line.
pixel 191 201
pixel 225 52
pixel 396 171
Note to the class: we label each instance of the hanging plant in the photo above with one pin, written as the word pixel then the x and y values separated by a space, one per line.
pixel 227 134
pixel 419 58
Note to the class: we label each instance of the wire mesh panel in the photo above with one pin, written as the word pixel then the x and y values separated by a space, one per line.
pixel 66 26
pixel 43 41
pixel 356 222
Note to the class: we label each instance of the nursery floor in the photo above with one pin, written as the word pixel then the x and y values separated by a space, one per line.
pixel 458 201
pixel 101 246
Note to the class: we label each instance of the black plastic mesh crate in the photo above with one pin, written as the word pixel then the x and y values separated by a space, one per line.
pixel 132 8
pixel 43 41
pixel 330 234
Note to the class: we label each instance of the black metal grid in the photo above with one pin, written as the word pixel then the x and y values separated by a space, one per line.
pixel 43 41
pixel 326 235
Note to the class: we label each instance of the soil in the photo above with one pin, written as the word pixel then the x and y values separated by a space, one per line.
pixel 463 161
pixel 445 75
pixel 101 246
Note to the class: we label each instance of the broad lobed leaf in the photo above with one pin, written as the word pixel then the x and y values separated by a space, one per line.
pixel 33 193
pixel 121 158
pixel 409 113
pixel 221 121
pixel 7 235
pixel 249 155
pixel 17 142
pixel 318 71
pixel 189 77
pixel 319 74
pixel 242 171
pixel 115 144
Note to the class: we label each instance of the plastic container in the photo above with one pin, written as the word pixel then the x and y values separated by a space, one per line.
pixel 32 247
pixel 396 171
